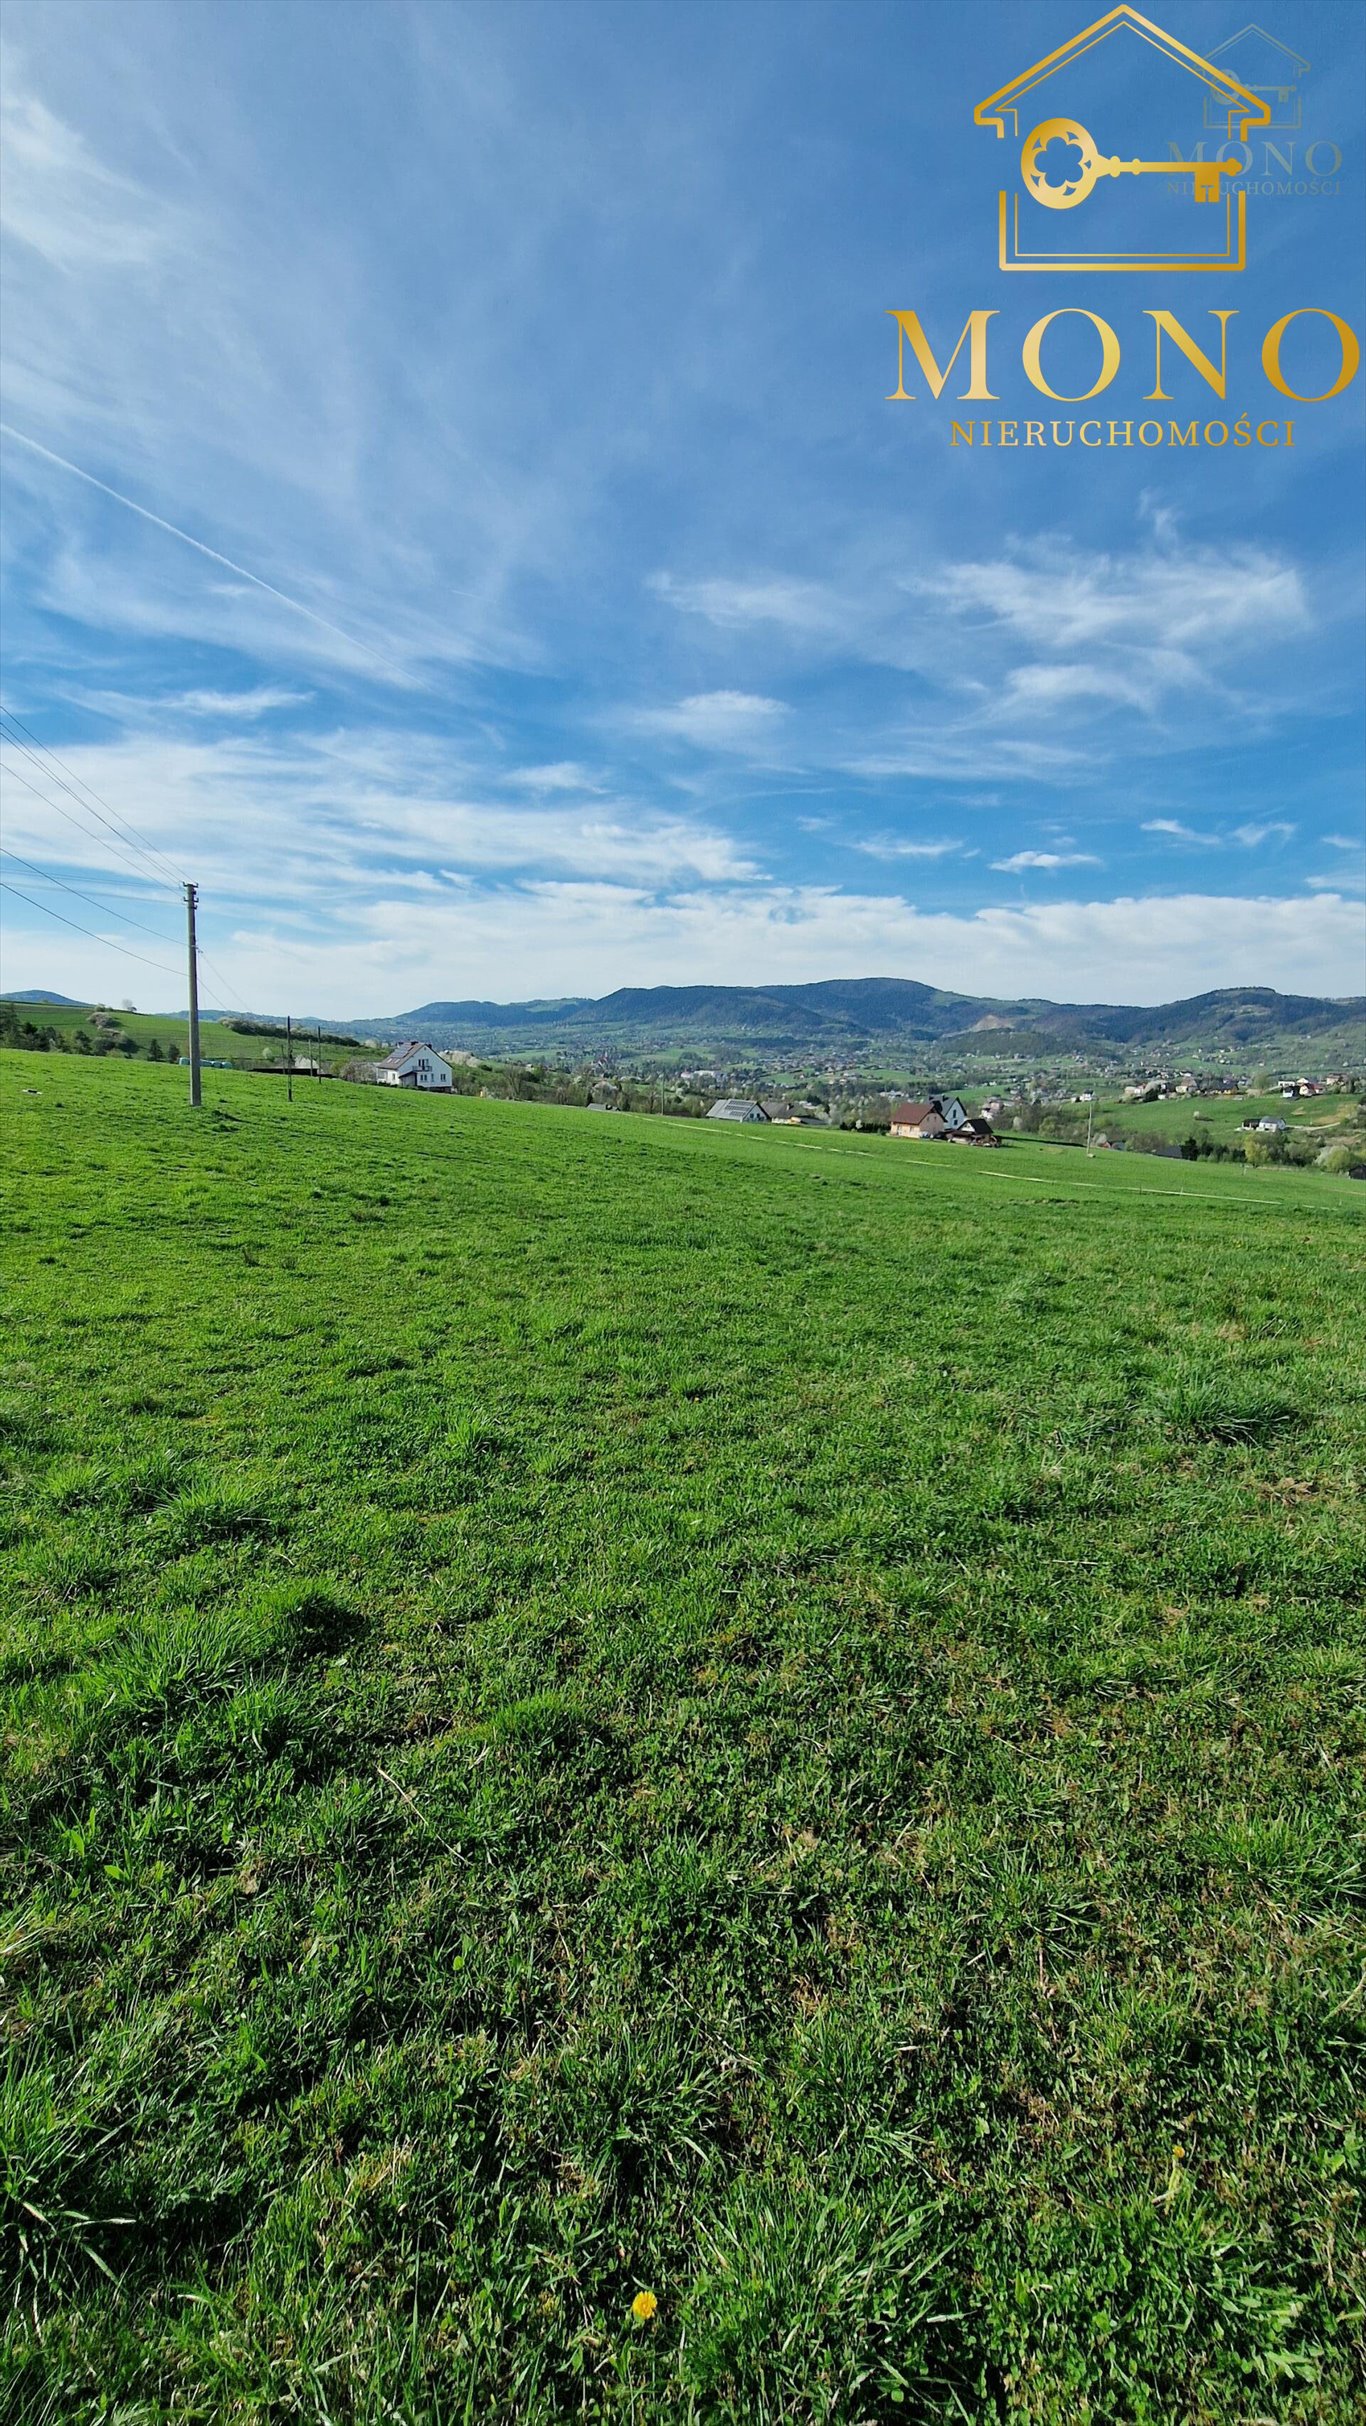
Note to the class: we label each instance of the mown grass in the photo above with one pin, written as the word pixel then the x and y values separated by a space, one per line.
pixel 604 1706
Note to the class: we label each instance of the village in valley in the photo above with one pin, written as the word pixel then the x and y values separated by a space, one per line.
pixel 1318 1121
pixel 1257 1115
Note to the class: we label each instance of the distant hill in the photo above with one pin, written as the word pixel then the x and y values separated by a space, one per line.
pixel 857 1018
pixel 62 1002
pixel 848 1015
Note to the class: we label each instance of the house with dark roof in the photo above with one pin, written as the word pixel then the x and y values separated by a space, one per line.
pixel 415 1065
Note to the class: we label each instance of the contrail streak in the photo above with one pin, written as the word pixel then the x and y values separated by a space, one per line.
pixel 213 554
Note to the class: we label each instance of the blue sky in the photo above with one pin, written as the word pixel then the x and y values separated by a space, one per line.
pixel 617 629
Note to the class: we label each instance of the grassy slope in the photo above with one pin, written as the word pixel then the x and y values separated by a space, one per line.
pixel 1223 1118
pixel 172 1034
pixel 615 1705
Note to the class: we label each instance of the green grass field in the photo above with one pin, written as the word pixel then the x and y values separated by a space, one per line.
pixel 616 1707
pixel 1223 1117
pixel 172 1034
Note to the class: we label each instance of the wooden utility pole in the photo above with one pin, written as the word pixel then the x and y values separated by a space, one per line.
pixel 191 898
pixel 289 1058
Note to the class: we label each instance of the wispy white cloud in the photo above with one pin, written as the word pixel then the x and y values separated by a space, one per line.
pixel 63 203
pixel 1044 628
pixel 1019 860
pixel 940 748
pixel 335 816
pixel 352 646
pixel 893 846
pixel 1178 831
pixel 805 609
pixel 716 720
pixel 1094 633
pixel 1046 658
pixel 565 775
pixel 1042 689
pixel 132 710
pixel 268 399
pixel 1059 597
pixel 264 700
pixel 1251 836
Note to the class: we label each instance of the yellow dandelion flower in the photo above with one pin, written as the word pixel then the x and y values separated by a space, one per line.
pixel 643 2307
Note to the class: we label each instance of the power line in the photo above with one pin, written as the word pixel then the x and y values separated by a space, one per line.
pixel 130 863
pixel 143 840
pixel 77 895
pixel 125 838
pixel 120 826
pixel 40 794
pixel 7 887
pixel 206 963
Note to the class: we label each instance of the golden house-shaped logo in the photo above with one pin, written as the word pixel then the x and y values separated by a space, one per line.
pixel 1075 204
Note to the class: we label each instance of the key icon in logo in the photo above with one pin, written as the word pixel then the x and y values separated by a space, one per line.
pixel 1060 166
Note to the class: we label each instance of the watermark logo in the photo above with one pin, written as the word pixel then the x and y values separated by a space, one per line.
pixel 1265 67
pixel 1076 205
pixel 1291 160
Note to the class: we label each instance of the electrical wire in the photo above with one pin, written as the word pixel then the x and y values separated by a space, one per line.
pixel 220 979
pixel 205 962
pixel 120 826
pixel 125 824
pixel 7 887
pixel 77 895
pixel 46 797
